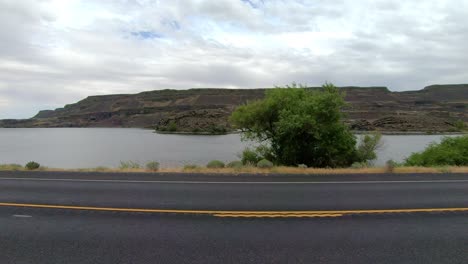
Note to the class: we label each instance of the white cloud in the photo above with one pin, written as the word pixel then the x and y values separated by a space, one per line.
pixel 54 52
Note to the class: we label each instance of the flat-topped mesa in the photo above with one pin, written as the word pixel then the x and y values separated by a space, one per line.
pixel 45 114
pixel 451 92
pixel 435 108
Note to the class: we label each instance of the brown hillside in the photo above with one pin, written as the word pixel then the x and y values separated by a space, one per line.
pixel 435 108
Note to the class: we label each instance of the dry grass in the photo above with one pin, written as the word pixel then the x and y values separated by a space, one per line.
pixel 255 170
pixel 295 170
pixel 10 167
pixel 446 169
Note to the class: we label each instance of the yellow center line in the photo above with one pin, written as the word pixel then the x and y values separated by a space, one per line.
pixel 224 213
pixel 277 215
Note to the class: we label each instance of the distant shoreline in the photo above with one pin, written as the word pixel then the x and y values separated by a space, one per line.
pixel 357 132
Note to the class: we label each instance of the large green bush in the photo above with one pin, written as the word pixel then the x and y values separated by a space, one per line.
pixel 451 151
pixel 300 126
pixel 32 165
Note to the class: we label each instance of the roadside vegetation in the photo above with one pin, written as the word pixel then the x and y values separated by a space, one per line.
pixel 262 167
pixel 32 165
pixel 264 171
pixel 152 166
pixel 11 167
pixel 215 164
pixel 451 151
pixel 448 156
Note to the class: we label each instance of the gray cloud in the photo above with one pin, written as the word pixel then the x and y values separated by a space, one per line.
pixel 56 52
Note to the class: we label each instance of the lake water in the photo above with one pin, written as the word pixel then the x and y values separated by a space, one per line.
pixel 93 147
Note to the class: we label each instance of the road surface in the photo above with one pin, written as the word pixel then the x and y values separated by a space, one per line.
pixel 174 218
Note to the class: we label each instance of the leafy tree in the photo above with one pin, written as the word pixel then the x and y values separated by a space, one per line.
pixel 301 126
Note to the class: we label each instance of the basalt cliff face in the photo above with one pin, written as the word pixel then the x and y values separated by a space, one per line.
pixel 436 108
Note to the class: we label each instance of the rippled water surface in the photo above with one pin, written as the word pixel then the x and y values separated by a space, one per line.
pixel 92 147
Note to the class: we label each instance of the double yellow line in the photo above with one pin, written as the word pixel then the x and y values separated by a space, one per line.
pixel 247 214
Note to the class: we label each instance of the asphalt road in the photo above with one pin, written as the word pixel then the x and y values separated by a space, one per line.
pixel 68 234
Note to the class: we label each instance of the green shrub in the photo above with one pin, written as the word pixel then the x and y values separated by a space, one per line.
pixel 265 164
pixel 215 164
pixel 125 165
pixel 359 165
pixel 250 156
pixel 152 166
pixel 172 126
pixel 32 165
pixel 237 164
pixel 13 167
pixel 451 151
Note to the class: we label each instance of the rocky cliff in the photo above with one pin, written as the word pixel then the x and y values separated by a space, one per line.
pixel 435 108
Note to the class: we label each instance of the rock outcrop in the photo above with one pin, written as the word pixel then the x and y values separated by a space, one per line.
pixel 436 108
pixel 214 121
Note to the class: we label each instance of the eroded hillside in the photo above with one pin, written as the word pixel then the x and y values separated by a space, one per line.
pixel 436 108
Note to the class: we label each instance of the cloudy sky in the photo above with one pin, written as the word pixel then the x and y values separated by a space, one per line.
pixel 60 51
